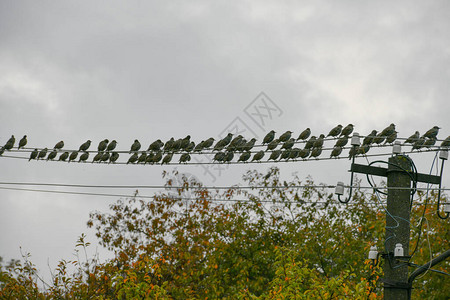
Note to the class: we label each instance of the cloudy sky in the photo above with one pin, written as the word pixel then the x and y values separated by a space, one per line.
pixel 125 70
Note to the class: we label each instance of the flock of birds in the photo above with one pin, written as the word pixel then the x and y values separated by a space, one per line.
pixel 225 149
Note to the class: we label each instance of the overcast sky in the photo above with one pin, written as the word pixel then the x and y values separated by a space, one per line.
pixel 145 70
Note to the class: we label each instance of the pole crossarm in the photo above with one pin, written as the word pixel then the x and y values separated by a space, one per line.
pixel 379 171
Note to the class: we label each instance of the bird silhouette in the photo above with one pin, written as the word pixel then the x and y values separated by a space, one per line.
pixel 102 145
pixel 52 155
pixel 391 138
pixel 285 154
pixel 169 144
pixel 432 133
pixel 208 143
pixel 185 157
pixel 347 130
pixel 353 151
pixel 157 158
pixel 34 154
pixel 429 142
pixel 272 145
pixel 335 131
pixel 105 156
pixel 149 158
pixel 269 137
pixel 446 142
pixel 388 130
pixel 249 145
pixel 304 134
pixel 135 146
pixel 219 157
pixel 111 146
pixel 379 138
pixel 319 142
pixel 23 141
pixel 336 152
pixel 85 146
pixel 295 152
pixel 310 143
pixel 185 142
pixel 342 141
pixel 83 157
pixel 418 144
pixel 63 156
pixel 155 146
pixel 189 147
pixel 228 156
pixel 59 145
pixel 413 138
pixel 315 152
pixel 42 153
pixel 73 156
pixel 223 142
pixel 285 136
pixel 166 160
pixel 304 153
pixel 114 157
pixel 97 157
pixel 142 158
pixel 258 156
pixel 275 155
pixel 368 140
pixel 133 158
pixel 10 143
pixel 288 144
pixel 244 156
pixel 363 149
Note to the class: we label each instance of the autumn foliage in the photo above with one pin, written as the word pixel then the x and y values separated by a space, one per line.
pixel 276 242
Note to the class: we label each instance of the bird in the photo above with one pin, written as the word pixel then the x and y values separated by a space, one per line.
pixel 185 142
pixel 258 156
pixel 85 146
pixel 59 145
pixel 33 154
pixel 42 153
pixel 388 130
pixel 22 142
pixel 244 156
pixel 228 156
pixel 342 141
pixel 149 158
pixel 363 149
pixel 97 157
pixel 304 134
pixel 133 158
pixel 295 152
pixel 319 142
pixel 176 145
pixel 157 157
pixel 105 156
pixel 336 152
pixel 288 144
pixel 269 137
pixel 368 140
pixel 219 156
pixel 208 143
pixel 166 160
pixel 347 130
pixel 432 133
pixel 309 144
pixel 52 155
pixel 413 138
pixel 142 158
pixel 111 146
pixel 275 155
pixel 169 145
pixel 285 154
pixel 378 139
pixel 102 145
pixel 135 146
pixel 199 147
pixel 235 142
pixel 185 157
pixel 73 155
pixel 114 157
pixel 335 131
pixel 304 153
pixel 315 152
pixel 418 144
pixel 10 143
pixel 353 151
pixel 446 142
pixel 83 157
pixel 223 142
pixel 249 145
pixel 285 136
pixel 190 147
pixel 64 156
pixel 273 144
pixel 155 146
pixel 430 142
pixel 391 138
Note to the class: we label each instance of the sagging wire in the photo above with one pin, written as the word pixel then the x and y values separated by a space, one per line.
pixel 429 247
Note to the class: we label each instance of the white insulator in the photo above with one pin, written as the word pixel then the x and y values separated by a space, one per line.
pixel 373 253
pixel 355 139
pixel 443 154
pixel 397 148
pixel 339 188
pixel 398 251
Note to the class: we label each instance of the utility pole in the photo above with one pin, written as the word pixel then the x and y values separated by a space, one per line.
pixel 399 177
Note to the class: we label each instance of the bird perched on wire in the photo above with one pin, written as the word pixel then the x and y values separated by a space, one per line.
pixel 114 157
pixel 85 146
pixel 235 142
pixel 97 157
pixel 429 142
pixel 42 153
pixel 190 147
pixel 169 145
pixel 391 138
pixel 432 133
pixel 273 144
pixel 83 157
pixel 219 157
pixel 208 143
pixel 10 143
pixel 223 142
pixel 353 151
pixel 133 158
pixel 304 153
pixel 111 146
pixel 413 138
pixel 73 156
pixel 184 158
pixel 185 142
pixel 388 130
pixel 304 134
pixel 319 142
pixel 228 156
pixel 149 158
pixel 418 144
pixel 52 155
pixel 315 152
pixel 310 143
pixel 142 157
pixel 285 136
pixel 199 147
pixel 105 156
pixel 363 149
pixel 249 145
pixel 295 152
pixel 59 145
pixel 176 145
pixel 23 141
pixel 34 154
pixel 335 131
pixel 64 156
pixel 342 141
pixel 368 140
pixel 347 130
pixel 269 137
pixel 378 139
pixel 135 146
pixel 166 160
pixel 446 142
pixel 155 146
pixel 336 152
pixel 244 156
pixel 157 158
pixel 288 144
pixel 258 156
pixel 275 155
pixel 102 145
pixel 285 154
